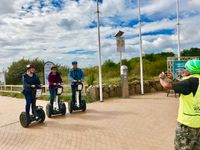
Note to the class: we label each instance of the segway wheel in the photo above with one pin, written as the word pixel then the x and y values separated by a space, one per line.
pixel 63 108
pixel 70 107
pixel 84 105
pixel 49 110
pixel 41 115
pixel 24 119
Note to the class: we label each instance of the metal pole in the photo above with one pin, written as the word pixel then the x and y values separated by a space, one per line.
pixel 120 59
pixel 99 54
pixel 4 77
pixel 178 29
pixel 140 38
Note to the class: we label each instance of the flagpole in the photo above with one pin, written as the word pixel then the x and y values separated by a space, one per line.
pixel 178 29
pixel 140 39
pixel 99 54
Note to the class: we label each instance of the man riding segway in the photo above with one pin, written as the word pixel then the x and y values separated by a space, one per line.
pixel 76 78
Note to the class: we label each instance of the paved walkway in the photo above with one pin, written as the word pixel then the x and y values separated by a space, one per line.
pixel 139 123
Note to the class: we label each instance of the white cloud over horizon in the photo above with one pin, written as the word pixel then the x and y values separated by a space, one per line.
pixel 53 32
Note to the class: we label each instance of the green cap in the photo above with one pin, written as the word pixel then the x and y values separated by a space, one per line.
pixel 193 66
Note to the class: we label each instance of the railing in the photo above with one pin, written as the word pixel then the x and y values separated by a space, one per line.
pixel 18 89
pixel 11 88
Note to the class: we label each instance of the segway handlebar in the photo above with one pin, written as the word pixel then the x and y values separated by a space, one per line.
pixel 58 84
pixel 78 85
pixel 77 81
pixel 39 86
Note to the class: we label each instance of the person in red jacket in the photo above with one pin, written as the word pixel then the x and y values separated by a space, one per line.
pixel 54 78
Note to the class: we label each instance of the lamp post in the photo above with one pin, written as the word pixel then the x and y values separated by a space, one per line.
pixel 178 29
pixel 99 54
pixel 140 39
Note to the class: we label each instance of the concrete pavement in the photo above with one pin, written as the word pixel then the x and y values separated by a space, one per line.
pixel 138 123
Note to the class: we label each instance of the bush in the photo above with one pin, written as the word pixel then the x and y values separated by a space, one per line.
pixel 90 79
pixel 110 69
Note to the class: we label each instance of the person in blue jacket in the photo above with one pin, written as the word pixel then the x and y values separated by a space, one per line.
pixel 30 83
pixel 75 74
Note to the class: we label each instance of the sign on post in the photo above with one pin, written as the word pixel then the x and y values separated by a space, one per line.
pixel 47 70
pixel 120 44
pixel 178 67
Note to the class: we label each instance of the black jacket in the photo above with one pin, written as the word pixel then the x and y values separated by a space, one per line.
pixel 28 81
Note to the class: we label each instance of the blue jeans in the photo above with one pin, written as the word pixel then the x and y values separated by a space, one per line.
pixel 30 102
pixel 53 95
pixel 73 87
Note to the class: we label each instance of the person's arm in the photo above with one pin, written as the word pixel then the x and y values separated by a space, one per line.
pixel 50 80
pixel 184 87
pixel 71 78
pixel 38 83
pixel 187 86
pixel 165 84
pixel 82 75
pixel 25 82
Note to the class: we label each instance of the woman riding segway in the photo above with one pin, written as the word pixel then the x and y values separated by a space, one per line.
pixel 55 90
pixel 54 78
pixel 31 83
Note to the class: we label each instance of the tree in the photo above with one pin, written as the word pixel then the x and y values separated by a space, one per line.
pixel 191 52
pixel 110 69
pixel 17 69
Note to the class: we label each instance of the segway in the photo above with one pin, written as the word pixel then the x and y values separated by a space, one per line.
pixel 38 116
pixel 59 107
pixel 78 105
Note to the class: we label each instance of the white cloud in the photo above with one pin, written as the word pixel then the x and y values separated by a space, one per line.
pixel 49 34
pixel 159 7
pixel 194 2
pixel 6 6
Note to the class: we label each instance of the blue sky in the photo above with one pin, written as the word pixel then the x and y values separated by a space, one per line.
pixel 65 30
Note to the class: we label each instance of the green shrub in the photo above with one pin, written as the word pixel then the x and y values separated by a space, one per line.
pixel 91 79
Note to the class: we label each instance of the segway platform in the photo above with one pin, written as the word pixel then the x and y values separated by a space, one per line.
pixel 26 119
pixel 79 105
pixel 61 110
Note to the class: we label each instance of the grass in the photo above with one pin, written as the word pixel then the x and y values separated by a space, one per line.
pixel 9 94
pixel 65 98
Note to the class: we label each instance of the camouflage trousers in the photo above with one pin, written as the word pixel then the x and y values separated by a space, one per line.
pixel 187 138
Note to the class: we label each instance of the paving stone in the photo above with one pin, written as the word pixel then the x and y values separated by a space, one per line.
pixel 138 123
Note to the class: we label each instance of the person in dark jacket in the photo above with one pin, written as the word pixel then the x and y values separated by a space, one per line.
pixel 54 78
pixel 30 83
